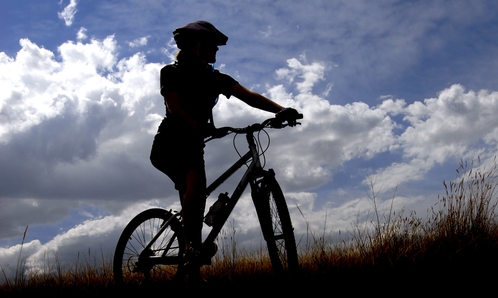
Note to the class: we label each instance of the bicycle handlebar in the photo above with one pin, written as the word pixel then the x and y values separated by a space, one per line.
pixel 274 122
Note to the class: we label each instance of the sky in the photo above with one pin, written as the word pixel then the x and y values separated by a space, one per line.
pixel 394 95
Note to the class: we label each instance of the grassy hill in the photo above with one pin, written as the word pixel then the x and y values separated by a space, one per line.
pixel 452 252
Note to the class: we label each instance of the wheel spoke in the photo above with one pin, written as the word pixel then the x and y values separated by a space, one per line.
pixel 134 264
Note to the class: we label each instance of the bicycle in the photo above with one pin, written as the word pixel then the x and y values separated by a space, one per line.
pixel 152 243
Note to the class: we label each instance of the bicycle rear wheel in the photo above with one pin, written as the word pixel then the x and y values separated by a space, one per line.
pixel 134 262
pixel 276 224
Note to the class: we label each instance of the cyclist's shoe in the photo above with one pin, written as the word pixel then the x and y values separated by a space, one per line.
pixel 192 254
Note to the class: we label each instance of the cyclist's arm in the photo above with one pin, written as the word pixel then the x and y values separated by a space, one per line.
pixel 255 99
pixel 173 105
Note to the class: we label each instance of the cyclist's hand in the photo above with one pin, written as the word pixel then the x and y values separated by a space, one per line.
pixel 290 115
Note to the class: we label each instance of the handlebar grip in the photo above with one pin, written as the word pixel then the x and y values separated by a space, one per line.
pixel 289 114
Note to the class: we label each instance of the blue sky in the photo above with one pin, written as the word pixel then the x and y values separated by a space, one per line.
pixel 394 92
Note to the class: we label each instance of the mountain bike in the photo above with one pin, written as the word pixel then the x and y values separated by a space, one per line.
pixel 152 244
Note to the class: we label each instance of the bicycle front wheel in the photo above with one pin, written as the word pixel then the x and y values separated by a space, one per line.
pixel 137 260
pixel 276 225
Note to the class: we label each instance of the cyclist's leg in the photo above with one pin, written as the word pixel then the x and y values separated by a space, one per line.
pixel 181 157
pixel 193 205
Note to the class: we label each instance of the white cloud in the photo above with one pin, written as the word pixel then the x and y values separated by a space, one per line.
pixel 67 14
pixel 138 42
pixel 63 112
pixel 14 259
pixel 90 57
pixel 81 35
pixel 21 107
pixel 170 50
pixel 52 88
pixel 310 73
pixel 393 107
pixel 455 125
pixel 451 122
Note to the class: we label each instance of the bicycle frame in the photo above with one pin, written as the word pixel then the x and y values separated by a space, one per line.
pixel 250 174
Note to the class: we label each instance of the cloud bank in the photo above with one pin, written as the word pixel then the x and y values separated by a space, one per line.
pixel 76 128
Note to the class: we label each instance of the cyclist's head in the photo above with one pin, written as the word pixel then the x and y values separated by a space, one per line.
pixel 200 31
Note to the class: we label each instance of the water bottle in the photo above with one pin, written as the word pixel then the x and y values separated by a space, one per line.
pixel 213 210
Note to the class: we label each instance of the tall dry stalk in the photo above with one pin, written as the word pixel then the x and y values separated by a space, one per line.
pixel 19 275
pixel 468 213
pixel 385 237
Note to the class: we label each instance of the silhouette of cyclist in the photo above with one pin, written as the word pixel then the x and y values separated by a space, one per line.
pixel 190 87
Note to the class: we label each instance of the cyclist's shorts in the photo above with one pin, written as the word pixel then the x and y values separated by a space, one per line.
pixel 175 153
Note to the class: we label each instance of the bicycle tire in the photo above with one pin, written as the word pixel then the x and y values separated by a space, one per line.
pixel 134 239
pixel 276 225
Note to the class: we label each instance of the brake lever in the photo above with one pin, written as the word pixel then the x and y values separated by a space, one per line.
pixel 276 123
pixel 288 124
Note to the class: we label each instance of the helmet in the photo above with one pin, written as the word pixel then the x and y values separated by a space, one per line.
pixel 198 31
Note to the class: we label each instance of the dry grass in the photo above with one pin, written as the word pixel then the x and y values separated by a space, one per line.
pixel 458 242
pixel 455 246
pixel 83 276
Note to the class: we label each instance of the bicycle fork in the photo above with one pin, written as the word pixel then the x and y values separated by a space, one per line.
pixel 261 201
